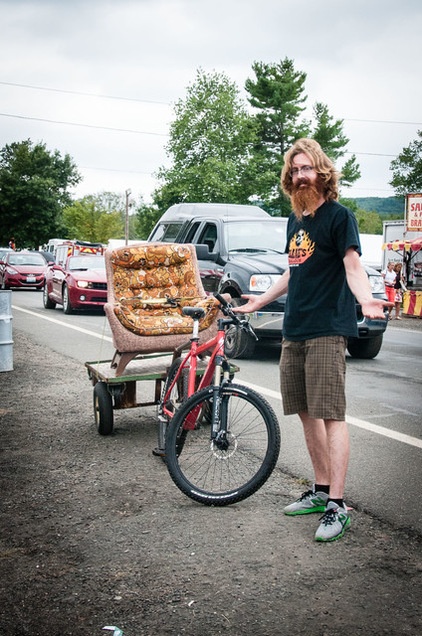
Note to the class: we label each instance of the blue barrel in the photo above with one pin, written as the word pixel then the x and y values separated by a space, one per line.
pixel 6 341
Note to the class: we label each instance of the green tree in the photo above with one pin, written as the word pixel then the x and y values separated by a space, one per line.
pixel 329 134
pixel 87 220
pixel 407 168
pixel 210 146
pixel 34 185
pixel 369 221
pixel 116 202
pixel 111 202
pixel 388 208
pixel 146 217
pixel 277 96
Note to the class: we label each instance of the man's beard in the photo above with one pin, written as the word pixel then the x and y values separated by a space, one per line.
pixel 306 199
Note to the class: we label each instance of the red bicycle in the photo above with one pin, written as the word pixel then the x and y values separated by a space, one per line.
pixel 222 439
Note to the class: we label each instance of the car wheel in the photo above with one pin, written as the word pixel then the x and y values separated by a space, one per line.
pixel 238 343
pixel 48 303
pixel 366 348
pixel 67 307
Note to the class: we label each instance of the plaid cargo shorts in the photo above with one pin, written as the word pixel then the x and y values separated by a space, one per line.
pixel 312 377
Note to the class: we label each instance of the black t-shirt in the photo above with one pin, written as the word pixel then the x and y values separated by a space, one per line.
pixel 319 301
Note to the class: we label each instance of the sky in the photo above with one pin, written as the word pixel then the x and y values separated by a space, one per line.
pixel 99 79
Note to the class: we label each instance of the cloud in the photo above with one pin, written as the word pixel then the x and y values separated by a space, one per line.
pixel 361 59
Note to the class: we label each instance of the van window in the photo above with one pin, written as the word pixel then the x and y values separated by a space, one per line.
pixel 192 231
pixel 208 236
pixel 166 233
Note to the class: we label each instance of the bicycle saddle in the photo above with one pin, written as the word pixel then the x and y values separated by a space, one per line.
pixel 194 312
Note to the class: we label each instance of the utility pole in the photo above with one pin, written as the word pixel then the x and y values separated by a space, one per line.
pixel 128 193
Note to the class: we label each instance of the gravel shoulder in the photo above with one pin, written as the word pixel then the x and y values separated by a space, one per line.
pixel 94 533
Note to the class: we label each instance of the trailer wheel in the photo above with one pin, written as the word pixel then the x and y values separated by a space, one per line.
pixel 103 409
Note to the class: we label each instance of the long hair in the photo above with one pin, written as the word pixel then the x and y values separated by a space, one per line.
pixel 323 165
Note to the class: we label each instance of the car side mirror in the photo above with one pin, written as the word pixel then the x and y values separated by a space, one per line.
pixel 203 253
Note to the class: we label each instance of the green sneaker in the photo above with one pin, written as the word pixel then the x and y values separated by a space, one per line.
pixel 308 502
pixel 334 523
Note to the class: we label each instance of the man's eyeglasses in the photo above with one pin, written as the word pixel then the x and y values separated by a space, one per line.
pixel 305 170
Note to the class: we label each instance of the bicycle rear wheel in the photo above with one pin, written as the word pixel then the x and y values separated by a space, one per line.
pixel 215 473
pixel 178 395
pixel 180 391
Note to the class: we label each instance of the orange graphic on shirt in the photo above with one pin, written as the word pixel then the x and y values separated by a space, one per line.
pixel 300 248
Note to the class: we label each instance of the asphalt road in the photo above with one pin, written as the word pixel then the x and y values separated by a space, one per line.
pixel 384 405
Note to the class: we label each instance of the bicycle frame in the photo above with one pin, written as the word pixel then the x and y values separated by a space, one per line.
pixel 190 362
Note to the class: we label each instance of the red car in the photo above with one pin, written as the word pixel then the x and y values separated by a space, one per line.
pixel 23 270
pixel 80 283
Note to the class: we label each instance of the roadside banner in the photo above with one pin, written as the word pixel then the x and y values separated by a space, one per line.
pixel 413 212
pixel 412 303
pixel 404 245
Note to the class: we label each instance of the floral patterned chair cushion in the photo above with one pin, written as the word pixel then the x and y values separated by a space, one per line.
pixel 151 284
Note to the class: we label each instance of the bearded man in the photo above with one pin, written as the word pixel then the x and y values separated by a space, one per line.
pixel 324 276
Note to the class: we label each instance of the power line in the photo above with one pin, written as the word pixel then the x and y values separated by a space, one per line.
pixel 68 92
pixel 152 101
pixel 369 154
pixel 144 132
pixel 140 132
pixel 384 121
pixel 71 123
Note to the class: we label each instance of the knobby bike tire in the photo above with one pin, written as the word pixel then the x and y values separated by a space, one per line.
pixel 214 476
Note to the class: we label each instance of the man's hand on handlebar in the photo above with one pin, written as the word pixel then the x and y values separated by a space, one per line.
pixel 254 304
pixel 229 310
pixel 226 297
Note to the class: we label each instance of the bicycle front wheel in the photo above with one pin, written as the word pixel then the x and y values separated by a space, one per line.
pixel 222 471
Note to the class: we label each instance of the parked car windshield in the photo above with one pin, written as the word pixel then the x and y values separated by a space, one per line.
pixel 4 251
pixel 256 235
pixel 86 262
pixel 26 259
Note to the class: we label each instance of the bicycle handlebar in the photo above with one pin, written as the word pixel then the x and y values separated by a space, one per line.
pixel 227 309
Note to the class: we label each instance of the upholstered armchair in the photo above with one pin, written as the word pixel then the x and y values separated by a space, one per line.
pixel 148 284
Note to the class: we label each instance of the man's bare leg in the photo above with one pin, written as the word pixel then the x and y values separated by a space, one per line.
pixel 329 448
pixel 338 450
pixel 317 443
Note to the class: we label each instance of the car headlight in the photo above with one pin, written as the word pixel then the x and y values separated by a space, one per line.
pixel 11 271
pixel 377 284
pixel 83 284
pixel 262 282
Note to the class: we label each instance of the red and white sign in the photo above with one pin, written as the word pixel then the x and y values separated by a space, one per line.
pixel 413 212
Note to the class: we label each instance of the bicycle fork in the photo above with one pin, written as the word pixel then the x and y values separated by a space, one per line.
pixel 219 422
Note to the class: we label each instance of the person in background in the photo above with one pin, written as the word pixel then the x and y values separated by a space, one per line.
pixel 389 276
pixel 12 244
pixel 323 277
pixel 398 285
